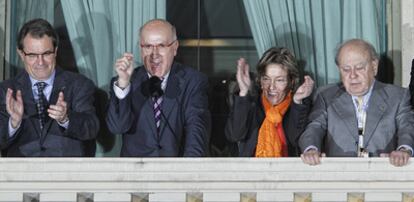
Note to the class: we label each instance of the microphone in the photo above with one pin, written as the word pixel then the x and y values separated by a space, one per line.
pixel 152 87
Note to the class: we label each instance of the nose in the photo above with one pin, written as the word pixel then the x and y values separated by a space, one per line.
pixel 353 73
pixel 40 59
pixel 272 85
pixel 154 49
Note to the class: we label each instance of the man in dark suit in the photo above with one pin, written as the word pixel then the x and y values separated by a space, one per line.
pixel 160 108
pixel 360 116
pixel 45 111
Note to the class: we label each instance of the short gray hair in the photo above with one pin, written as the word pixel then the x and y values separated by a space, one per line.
pixel 367 46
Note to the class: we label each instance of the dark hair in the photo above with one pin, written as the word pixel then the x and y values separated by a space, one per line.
pixel 37 28
pixel 283 57
pixel 366 46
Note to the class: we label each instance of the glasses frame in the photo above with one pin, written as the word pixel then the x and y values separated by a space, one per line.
pixel 267 81
pixel 358 68
pixel 35 56
pixel 148 48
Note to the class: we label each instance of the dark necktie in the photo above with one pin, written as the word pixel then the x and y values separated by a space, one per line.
pixel 41 103
pixel 157 112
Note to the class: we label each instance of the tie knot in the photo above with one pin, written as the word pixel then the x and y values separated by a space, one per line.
pixel 40 85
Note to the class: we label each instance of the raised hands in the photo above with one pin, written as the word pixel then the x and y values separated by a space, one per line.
pixel 124 68
pixel 243 76
pixel 59 110
pixel 304 90
pixel 14 107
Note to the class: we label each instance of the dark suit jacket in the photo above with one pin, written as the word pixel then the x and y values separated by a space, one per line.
pixel 53 140
pixel 247 115
pixel 333 126
pixel 185 106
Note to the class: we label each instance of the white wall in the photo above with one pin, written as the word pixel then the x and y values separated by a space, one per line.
pixel 407 39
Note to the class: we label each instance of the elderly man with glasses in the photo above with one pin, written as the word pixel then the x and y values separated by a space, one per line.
pixel 161 107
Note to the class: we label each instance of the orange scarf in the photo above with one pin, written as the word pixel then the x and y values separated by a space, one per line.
pixel 271 141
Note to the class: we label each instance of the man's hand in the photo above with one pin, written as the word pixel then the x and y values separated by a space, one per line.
pixel 304 90
pixel 243 76
pixel 14 107
pixel 124 69
pixel 59 110
pixel 311 157
pixel 398 158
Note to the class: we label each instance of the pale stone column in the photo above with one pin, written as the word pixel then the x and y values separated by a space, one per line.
pixel 3 9
pixel 407 39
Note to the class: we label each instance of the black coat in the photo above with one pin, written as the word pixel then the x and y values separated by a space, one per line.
pixel 246 117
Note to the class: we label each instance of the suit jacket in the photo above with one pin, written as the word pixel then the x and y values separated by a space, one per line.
pixel 246 118
pixel 53 140
pixel 185 123
pixel 333 126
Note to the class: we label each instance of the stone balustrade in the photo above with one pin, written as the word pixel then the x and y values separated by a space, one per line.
pixel 203 179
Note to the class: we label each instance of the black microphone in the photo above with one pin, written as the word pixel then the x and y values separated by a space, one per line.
pixel 155 89
pixel 152 87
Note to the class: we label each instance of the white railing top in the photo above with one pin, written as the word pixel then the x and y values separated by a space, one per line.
pixel 202 174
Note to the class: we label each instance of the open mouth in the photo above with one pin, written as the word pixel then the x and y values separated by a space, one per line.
pixel 155 65
pixel 272 93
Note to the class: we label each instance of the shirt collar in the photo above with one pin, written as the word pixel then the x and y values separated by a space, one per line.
pixel 164 80
pixel 366 96
pixel 48 81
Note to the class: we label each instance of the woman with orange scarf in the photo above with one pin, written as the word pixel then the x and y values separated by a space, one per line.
pixel 269 123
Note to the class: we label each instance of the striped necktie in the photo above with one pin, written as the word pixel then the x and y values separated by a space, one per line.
pixel 157 112
pixel 41 103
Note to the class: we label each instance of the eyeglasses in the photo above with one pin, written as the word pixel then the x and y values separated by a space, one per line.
pixel 267 81
pixel 361 67
pixel 148 48
pixel 48 55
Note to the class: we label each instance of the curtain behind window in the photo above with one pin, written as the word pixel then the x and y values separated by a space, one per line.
pixel 314 28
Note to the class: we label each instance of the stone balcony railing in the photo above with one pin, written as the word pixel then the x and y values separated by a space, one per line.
pixel 204 179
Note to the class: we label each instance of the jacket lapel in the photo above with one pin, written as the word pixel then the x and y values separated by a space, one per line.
pixel 343 105
pixel 376 109
pixel 147 109
pixel 171 94
pixel 30 112
pixel 58 86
